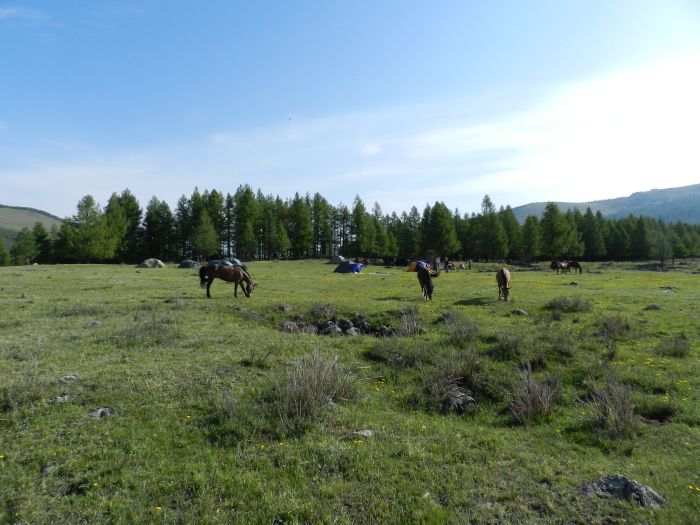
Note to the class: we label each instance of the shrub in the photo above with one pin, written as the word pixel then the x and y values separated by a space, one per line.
pixel 508 346
pixel 313 383
pixel 569 304
pixel 613 327
pixel 461 331
pixel 320 313
pixel 451 376
pixel 410 324
pixel 531 398
pixel 676 346
pixel 609 410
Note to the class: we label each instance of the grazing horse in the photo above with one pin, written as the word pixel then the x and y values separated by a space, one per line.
pixel 560 266
pixel 576 266
pixel 503 280
pixel 234 274
pixel 426 282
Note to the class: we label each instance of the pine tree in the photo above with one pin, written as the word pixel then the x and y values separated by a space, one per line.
pixel 4 254
pixel 532 238
pixel 205 242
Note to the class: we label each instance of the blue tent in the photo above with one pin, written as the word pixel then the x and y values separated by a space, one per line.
pixel 349 267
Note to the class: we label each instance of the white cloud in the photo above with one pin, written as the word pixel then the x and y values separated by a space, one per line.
pixel 370 150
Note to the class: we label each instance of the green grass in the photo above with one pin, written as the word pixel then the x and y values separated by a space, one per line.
pixel 208 426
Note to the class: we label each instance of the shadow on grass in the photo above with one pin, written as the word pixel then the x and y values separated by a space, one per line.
pixel 475 301
pixel 391 298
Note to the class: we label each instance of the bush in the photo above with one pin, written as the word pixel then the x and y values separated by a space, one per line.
pixel 531 398
pixel 410 324
pixel 508 346
pixel 609 410
pixel 569 304
pixel 313 383
pixel 461 331
pixel 320 313
pixel 451 376
pixel 677 346
pixel 613 327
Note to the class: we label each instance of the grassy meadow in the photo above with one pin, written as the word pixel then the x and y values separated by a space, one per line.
pixel 220 416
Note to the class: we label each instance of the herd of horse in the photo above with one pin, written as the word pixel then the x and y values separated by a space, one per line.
pixel 239 276
pixel 566 266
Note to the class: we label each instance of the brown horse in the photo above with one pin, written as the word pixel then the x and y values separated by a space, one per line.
pixel 426 282
pixel 234 274
pixel 503 280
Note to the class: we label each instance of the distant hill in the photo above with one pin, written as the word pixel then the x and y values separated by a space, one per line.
pixel 13 219
pixel 670 205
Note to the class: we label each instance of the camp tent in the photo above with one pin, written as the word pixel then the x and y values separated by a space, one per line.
pixel 188 263
pixel 228 261
pixel 151 263
pixel 348 267
pixel 336 260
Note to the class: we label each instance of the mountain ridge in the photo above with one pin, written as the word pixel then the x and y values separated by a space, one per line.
pixel 670 205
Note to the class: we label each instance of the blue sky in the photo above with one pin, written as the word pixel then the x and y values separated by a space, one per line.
pixel 403 103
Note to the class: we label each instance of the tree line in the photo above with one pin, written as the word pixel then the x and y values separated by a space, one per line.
pixel 250 225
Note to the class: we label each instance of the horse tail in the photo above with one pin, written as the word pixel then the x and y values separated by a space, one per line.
pixel 203 276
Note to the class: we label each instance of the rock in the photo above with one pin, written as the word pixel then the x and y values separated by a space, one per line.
pixel 289 326
pixel 100 413
pixel 308 329
pixel 59 399
pixel 520 312
pixel 92 324
pixel 573 283
pixel 459 403
pixel 365 433
pixel 653 307
pixel 66 379
pixel 619 486
pixel 329 328
pixel 345 324
pixel 364 327
pixel 352 331
pixel 284 308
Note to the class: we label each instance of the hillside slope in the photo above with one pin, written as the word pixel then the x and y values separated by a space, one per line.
pixel 13 219
pixel 669 204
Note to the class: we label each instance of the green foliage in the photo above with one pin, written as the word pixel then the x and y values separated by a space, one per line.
pixel 4 255
pixel 25 249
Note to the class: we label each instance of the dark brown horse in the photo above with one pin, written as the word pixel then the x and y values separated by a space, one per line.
pixel 232 274
pixel 560 266
pixel 576 266
pixel 426 282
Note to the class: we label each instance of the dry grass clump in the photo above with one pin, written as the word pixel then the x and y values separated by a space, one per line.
pixel 409 323
pixel 461 331
pixel 569 304
pixel 320 313
pixel 609 410
pixel 531 398
pixel 676 346
pixel 151 328
pixel 508 346
pixel 613 327
pixel 313 383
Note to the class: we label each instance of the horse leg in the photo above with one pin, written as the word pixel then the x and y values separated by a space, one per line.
pixel 209 281
pixel 235 288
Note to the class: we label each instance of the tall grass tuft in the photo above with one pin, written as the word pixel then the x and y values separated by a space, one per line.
pixel 313 383
pixel 613 327
pixel 609 410
pixel 461 331
pixel 508 346
pixel 153 327
pixel 409 324
pixel 676 346
pixel 569 304
pixel 531 398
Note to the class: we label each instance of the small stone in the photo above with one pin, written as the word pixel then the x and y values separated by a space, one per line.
pixel 653 307
pixel 308 329
pixel 619 486
pixel 290 326
pixel 284 308
pixel 520 312
pixel 352 331
pixel 345 324
pixel 60 399
pixel 100 413
pixel 66 379
pixel 364 433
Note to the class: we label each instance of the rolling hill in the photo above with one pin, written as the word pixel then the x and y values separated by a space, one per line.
pixel 670 204
pixel 13 219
